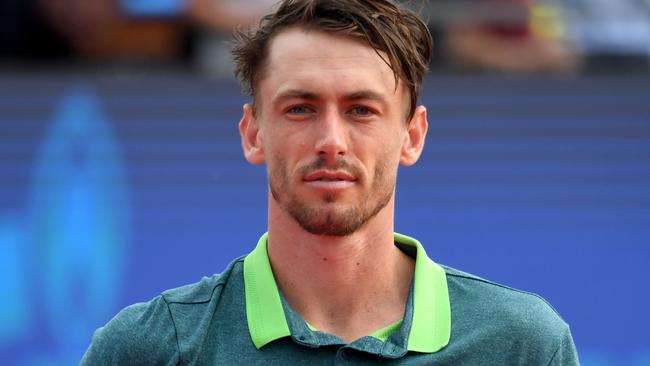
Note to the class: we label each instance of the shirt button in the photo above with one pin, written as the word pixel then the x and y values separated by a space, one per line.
pixel 344 355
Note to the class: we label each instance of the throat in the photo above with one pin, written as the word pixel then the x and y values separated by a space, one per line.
pixel 351 300
pixel 351 320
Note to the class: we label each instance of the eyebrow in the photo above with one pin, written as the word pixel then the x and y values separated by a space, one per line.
pixel 365 94
pixel 294 93
pixel 309 95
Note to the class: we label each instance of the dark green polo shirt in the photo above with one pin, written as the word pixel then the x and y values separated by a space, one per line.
pixel 240 317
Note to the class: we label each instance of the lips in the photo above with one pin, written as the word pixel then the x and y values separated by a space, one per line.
pixel 329 180
pixel 329 176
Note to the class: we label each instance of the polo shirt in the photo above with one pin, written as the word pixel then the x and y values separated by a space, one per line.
pixel 241 317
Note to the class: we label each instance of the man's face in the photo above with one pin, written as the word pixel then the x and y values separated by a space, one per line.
pixel 331 130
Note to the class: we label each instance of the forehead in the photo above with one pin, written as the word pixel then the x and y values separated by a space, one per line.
pixel 324 63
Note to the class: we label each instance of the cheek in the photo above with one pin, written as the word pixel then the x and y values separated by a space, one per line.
pixel 387 159
pixel 286 157
pixel 387 147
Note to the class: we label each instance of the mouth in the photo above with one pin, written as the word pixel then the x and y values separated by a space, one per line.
pixel 330 180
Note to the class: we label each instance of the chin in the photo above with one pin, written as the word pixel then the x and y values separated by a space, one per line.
pixel 329 228
pixel 329 219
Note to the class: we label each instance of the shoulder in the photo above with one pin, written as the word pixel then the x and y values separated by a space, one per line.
pixel 203 291
pixel 148 332
pixel 139 334
pixel 474 291
pixel 520 321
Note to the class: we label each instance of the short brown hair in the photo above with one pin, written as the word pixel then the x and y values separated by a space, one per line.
pixel 387 27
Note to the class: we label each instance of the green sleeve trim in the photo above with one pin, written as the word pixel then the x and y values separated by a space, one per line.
pixel 264 312
pixel 431 326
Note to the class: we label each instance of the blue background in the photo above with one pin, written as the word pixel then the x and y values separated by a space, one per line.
pixel 114 188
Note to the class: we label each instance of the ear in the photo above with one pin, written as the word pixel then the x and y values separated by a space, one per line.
pixel 251 139
pixel 416 133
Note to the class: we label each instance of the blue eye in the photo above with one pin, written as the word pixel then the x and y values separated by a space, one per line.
pixel 362 111
pixel 300 109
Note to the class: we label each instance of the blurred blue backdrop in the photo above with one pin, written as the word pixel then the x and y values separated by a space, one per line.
pixel 113 189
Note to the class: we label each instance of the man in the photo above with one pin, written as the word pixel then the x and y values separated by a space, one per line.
pixel 334 87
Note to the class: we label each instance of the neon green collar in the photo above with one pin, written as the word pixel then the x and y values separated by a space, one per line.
pixel 431 326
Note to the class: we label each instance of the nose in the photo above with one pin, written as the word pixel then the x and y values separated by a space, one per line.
pixel 332 136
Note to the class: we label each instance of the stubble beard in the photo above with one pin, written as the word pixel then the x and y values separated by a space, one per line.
pixel 331 221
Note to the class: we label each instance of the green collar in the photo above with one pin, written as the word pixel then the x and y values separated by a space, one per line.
pixel 430 327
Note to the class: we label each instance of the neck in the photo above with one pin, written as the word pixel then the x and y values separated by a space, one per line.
pixel 347 285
